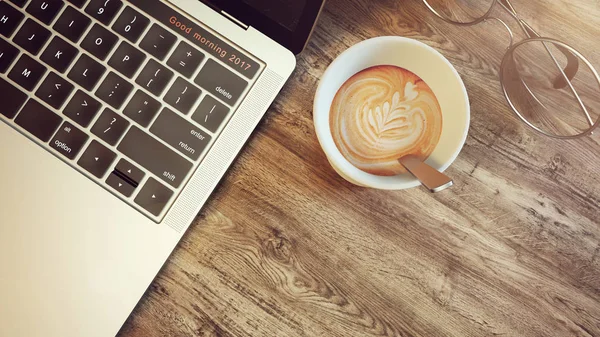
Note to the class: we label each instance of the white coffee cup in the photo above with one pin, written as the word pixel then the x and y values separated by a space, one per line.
pixel 425 62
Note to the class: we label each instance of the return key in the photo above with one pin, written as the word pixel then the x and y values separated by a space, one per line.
pixel 180 134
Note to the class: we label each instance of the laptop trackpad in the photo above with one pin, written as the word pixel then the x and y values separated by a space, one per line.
pixel 67 243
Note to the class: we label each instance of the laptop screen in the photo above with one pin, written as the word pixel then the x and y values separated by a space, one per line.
pixel 289 22
pixel 285 12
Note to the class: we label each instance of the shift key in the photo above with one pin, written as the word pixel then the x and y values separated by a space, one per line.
pixel 155 157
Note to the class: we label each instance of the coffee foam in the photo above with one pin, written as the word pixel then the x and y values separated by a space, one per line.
pixel 381 114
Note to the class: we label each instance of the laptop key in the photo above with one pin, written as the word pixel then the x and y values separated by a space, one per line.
pixel 69 140
pixel 32 36
pixel 221 82
pixel 131 24
pixel 104 10
pixel 154 156
pixel 127 59
pixel 110 127
pixel 8 54
pixel 130 172
pixel 45 10
pixel 99 41
pixel 10 18
pixel 19 3
pixel 185 59
pixel 12 99
pixel 38 120
pixel 182 96
pixel 154 77
pixel 27 72
pixel 153 197
pixel 210 113
pixel 86 72
pixel 82 108
pixel 114 90
pixel 72 24
pixel 59 54
pixel 97 159
pixel 158 42
pixel 120 185
pixel 142 108
pixel 54 90
pixel 182 135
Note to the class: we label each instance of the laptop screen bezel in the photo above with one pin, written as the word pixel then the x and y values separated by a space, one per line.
pixel 294 40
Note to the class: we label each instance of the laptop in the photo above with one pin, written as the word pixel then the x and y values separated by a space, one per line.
pixel 117 121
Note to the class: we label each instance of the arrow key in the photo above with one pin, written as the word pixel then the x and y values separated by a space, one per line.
pixel 97 159
pixel 54 90
pixel 129 171
pixel 120 185
pixel 154 197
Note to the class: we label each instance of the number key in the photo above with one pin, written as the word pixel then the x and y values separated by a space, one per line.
pixel 131 24
pixel 110 127
pixel 104 10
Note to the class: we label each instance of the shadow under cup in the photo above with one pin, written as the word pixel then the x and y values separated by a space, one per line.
pixel 423 61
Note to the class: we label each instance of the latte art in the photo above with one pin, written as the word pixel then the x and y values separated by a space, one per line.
pixel 384 113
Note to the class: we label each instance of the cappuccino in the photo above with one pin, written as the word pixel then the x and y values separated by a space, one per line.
pixel 384 113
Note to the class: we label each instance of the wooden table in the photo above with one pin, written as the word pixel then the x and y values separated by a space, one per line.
pixel 286 247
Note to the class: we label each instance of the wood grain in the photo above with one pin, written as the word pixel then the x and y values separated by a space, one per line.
pixel 286 247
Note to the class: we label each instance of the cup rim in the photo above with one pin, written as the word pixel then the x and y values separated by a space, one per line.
pixel 331 150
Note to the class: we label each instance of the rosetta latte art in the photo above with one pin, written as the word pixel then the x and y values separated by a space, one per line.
pixel 381 114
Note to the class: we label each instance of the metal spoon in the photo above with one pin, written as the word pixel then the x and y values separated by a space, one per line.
pixel 431 178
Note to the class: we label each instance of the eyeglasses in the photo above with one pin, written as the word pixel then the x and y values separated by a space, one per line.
pixel 550 86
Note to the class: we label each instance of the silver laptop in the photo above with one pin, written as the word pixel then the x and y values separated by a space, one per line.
pixel 117 120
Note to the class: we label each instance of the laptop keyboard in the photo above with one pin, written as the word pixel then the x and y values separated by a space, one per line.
pixel 130 93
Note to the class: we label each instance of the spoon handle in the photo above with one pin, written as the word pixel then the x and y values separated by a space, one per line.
pixel 431 178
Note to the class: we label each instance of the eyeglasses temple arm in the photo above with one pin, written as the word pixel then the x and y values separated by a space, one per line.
pixel 572 61
pixel 572 67
pixel 566 75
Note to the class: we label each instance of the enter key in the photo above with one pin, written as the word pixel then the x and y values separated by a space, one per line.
pixel 180 134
